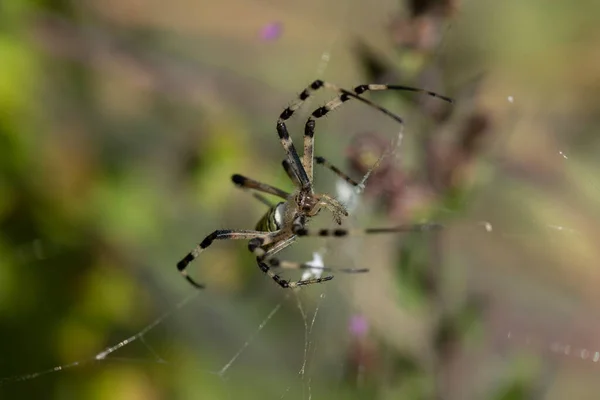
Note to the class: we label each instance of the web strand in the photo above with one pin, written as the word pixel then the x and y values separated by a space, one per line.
pixel 263 323
pixel 111 349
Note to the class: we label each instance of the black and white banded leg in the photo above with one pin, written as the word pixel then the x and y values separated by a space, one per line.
pixel 248 183
pixel 266 262
pixel 300 232
pixel 225 234
pixel 290 173
pixel 345 95
pixel 322 161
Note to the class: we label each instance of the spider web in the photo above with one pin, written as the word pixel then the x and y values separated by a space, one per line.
pixel 309 314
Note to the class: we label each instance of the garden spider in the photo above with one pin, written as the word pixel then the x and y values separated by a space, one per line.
pixel 286 221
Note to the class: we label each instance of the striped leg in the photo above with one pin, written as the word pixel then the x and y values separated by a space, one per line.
pixel 290 173
pixel 265 260
pixel 263 200
pixel 309 149
pixel 276 263
pixel 322 161
pixel 287 114
pixel 282 282
pixel 292 154
pixel 368 231
pixel 309 129
pixel 278 246
pixel 345 95
pixel 243 182
pixel 289 284
pixel 307 158
pixel 266 263
pixel 374 87
pixel 262 254
pixel 259 197
pixel 225 234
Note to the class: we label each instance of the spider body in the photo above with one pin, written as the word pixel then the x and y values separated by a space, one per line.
pixel 286 221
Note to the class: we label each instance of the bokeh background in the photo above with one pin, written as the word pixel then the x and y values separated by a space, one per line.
pixel 121 123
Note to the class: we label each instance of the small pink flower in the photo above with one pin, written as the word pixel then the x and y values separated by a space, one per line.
pixel 359 326
pixel 271 31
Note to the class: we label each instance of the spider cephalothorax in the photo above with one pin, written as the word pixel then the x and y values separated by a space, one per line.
pixel 310 204
pixel 284 222
pixel 307 202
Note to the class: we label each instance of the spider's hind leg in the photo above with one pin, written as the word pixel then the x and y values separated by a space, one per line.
pixel 274 263
pixel 266 248
pixel 224 234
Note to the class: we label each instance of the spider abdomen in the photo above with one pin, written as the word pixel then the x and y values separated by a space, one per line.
pixel 272 220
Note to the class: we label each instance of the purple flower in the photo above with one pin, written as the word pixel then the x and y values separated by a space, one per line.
pixel 359 326
pixel 271 31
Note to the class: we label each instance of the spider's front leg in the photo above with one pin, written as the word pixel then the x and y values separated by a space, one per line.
pixel 337 209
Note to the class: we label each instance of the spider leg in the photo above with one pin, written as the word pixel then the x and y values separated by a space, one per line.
pixel 345 95
pixel 322 161
pixel 305 169
pixel 309 148
pixel 289 284
pixel 360 89
pixel 290 172
pixel 265 260
pixel 277 246
pixel 263 200
pixel 309 129
pixel 367 231
pixel 287 114
pixel 225 234
pixel 292 154
pixel 248 183
pixel 257 196
pixel 276 263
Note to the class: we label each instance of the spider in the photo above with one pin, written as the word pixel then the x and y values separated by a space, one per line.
pixel 287 220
